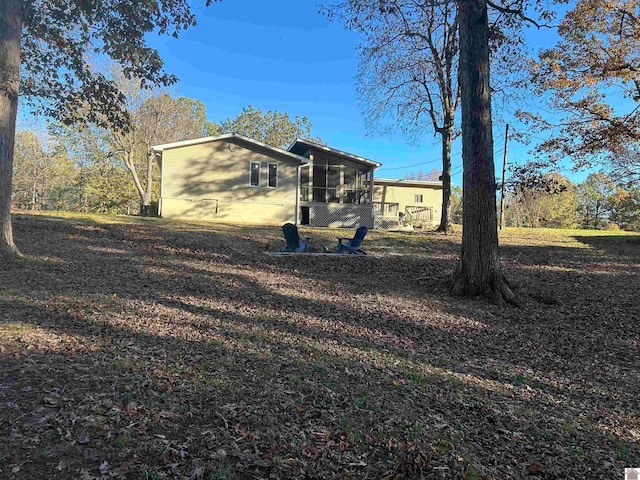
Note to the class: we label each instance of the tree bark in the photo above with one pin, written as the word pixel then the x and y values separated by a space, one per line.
pixel 445 215
pixel 129 163
pixel 34 196
pixel 146 199
pixel 10 31
pixel 479 271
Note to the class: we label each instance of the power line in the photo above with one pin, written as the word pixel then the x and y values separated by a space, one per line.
pixel 411 166
pixel 453 155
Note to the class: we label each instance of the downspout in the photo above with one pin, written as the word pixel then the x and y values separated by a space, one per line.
pixel 296 219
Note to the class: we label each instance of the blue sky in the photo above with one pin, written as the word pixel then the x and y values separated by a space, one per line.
pixel 283 55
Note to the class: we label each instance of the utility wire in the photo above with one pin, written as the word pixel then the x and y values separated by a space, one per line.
pixel 411 166
pixel 453 155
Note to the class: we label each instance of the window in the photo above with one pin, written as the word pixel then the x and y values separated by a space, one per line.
pixel 273 175
pixel 418 198
pixel 254 174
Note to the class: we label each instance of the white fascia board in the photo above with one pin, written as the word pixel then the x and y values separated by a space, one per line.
pixel 406 182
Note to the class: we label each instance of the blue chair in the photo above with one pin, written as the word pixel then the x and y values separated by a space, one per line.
pixel 354 244
pixel 294 243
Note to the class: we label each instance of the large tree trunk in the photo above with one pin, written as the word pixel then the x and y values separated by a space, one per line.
pixel 10 30
pixel 479 271
pixel 445 216
pixel 128 161
pixel 146 198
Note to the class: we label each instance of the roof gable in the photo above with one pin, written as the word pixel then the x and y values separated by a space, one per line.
pixel 299 146
pixel 230 136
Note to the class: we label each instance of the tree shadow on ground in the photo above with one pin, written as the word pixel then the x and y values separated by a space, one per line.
pixel 298 370
pixel 617 245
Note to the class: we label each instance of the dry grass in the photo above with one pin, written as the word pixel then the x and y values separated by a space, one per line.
pixel 144 348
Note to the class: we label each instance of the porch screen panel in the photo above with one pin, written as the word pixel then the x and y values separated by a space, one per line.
pixel 350 184
pixel 305 183
pixel 333 183
pixel 319 183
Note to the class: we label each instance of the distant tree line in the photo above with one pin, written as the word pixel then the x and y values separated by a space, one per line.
pixel 534 199
pixel 88 167
pixel 551 200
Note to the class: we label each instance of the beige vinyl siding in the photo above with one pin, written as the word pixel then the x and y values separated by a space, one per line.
pixel 211 181
pixel 405 196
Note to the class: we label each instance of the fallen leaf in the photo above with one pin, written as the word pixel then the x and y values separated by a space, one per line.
pixel 534 469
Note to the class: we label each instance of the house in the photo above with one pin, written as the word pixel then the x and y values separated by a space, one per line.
pixel 236 179
pixel 229 178
pixel 336 187
pixel 412 202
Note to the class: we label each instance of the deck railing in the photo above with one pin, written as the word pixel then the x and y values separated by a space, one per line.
pixel 387 210
pixel 331 195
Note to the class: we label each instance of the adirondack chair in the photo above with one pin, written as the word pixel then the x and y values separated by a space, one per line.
pixel 353 245
pixel 294 243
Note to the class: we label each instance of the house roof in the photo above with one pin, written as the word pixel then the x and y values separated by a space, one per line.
pixel 408 183
pixel 299 146
pixel 227 136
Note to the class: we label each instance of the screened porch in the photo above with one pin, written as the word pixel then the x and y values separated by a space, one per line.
pixel 336 188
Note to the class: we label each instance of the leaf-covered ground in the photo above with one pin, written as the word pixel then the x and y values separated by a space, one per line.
pixel 135 348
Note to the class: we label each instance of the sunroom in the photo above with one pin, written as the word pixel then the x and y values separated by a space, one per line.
pixel 335 187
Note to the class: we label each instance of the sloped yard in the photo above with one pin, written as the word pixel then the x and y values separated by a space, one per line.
pixel 149 349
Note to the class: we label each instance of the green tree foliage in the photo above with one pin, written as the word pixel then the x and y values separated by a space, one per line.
pixel 38 176
pixel 48 42
pixel 591 78
pixel 115 165
pixel 625 207
pixel 273 128
pixel 595 195
pixel 540 200
pixel 560 209
pixel 456 205
pixel 102 183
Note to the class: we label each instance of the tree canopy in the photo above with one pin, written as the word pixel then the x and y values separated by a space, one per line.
pixel 271 127
pixel 58 38
pixel 49 42
pixel 39 174
pixel 591 80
